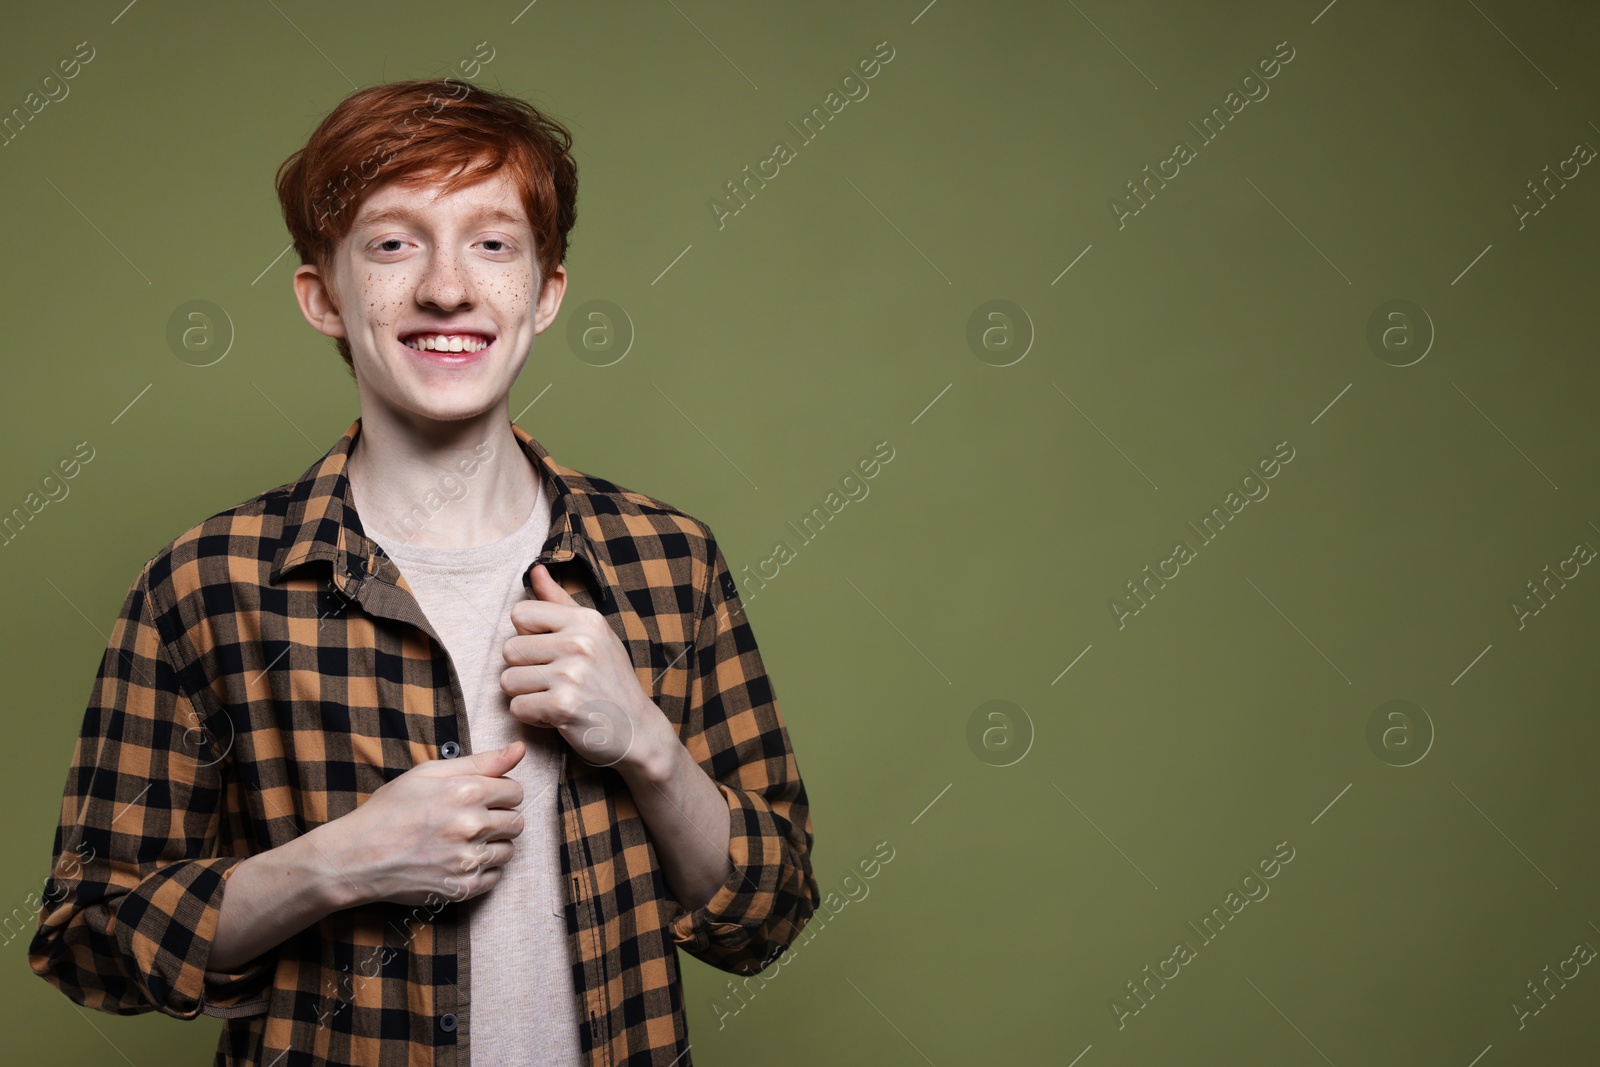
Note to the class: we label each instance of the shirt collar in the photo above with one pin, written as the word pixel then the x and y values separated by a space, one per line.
pixel 321 521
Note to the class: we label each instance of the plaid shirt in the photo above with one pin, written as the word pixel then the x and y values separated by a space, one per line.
pixel 270 669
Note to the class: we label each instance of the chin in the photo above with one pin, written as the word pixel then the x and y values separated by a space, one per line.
pixel 412 393
pixel 468 405
pixel 446 402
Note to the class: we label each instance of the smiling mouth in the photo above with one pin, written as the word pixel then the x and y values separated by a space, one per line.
pixel 447 344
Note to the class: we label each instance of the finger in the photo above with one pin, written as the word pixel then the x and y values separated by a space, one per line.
pixel 505 825
pixel 501 793
pixel 514 681
pixel 538 709
pixel 483 881
pixel 491 854
pixel 522 649
pixel 540 616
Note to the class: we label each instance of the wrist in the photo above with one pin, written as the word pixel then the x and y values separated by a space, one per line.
pixel 321 864
pixel 653 757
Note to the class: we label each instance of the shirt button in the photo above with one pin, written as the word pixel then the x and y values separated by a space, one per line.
pixel 447 1021
pixel 449 750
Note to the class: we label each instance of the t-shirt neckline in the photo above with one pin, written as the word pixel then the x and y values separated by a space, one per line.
pixel 476 554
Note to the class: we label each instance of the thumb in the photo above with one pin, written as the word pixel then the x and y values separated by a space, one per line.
pixel 545 586
pixel 492 764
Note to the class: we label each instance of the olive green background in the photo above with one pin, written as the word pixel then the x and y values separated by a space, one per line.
pixel 833 312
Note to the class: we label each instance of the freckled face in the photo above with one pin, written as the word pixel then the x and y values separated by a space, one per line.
pixel 417 263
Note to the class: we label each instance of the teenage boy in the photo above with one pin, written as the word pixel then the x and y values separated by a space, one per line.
pixel 438 753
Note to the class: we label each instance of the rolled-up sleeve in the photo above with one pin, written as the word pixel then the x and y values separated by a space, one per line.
pixel 131 904
pixel 772 892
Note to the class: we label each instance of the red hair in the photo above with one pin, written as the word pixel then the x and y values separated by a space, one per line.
pixel 421 131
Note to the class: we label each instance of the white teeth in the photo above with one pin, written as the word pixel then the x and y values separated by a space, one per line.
pixel 447 343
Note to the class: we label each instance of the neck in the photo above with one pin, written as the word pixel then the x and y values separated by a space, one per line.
pixel 457 484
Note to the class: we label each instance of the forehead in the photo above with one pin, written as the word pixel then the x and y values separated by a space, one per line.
pixel 492 199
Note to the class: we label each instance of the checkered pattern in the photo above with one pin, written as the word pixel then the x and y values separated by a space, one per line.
pixel 270 669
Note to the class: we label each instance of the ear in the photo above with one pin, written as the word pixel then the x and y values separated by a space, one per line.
pixel 550 294
pixel 316 301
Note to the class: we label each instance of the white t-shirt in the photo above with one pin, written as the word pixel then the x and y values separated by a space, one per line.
pixel 524 1007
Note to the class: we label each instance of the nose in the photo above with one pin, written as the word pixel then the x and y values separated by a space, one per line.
pixel 445 283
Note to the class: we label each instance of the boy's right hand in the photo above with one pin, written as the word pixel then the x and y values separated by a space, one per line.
pixel 441 829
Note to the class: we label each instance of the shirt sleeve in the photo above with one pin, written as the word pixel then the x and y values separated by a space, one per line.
pixel 772 892
pixel 131 904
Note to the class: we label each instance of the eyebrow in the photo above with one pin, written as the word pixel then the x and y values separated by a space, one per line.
pixel 405 214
